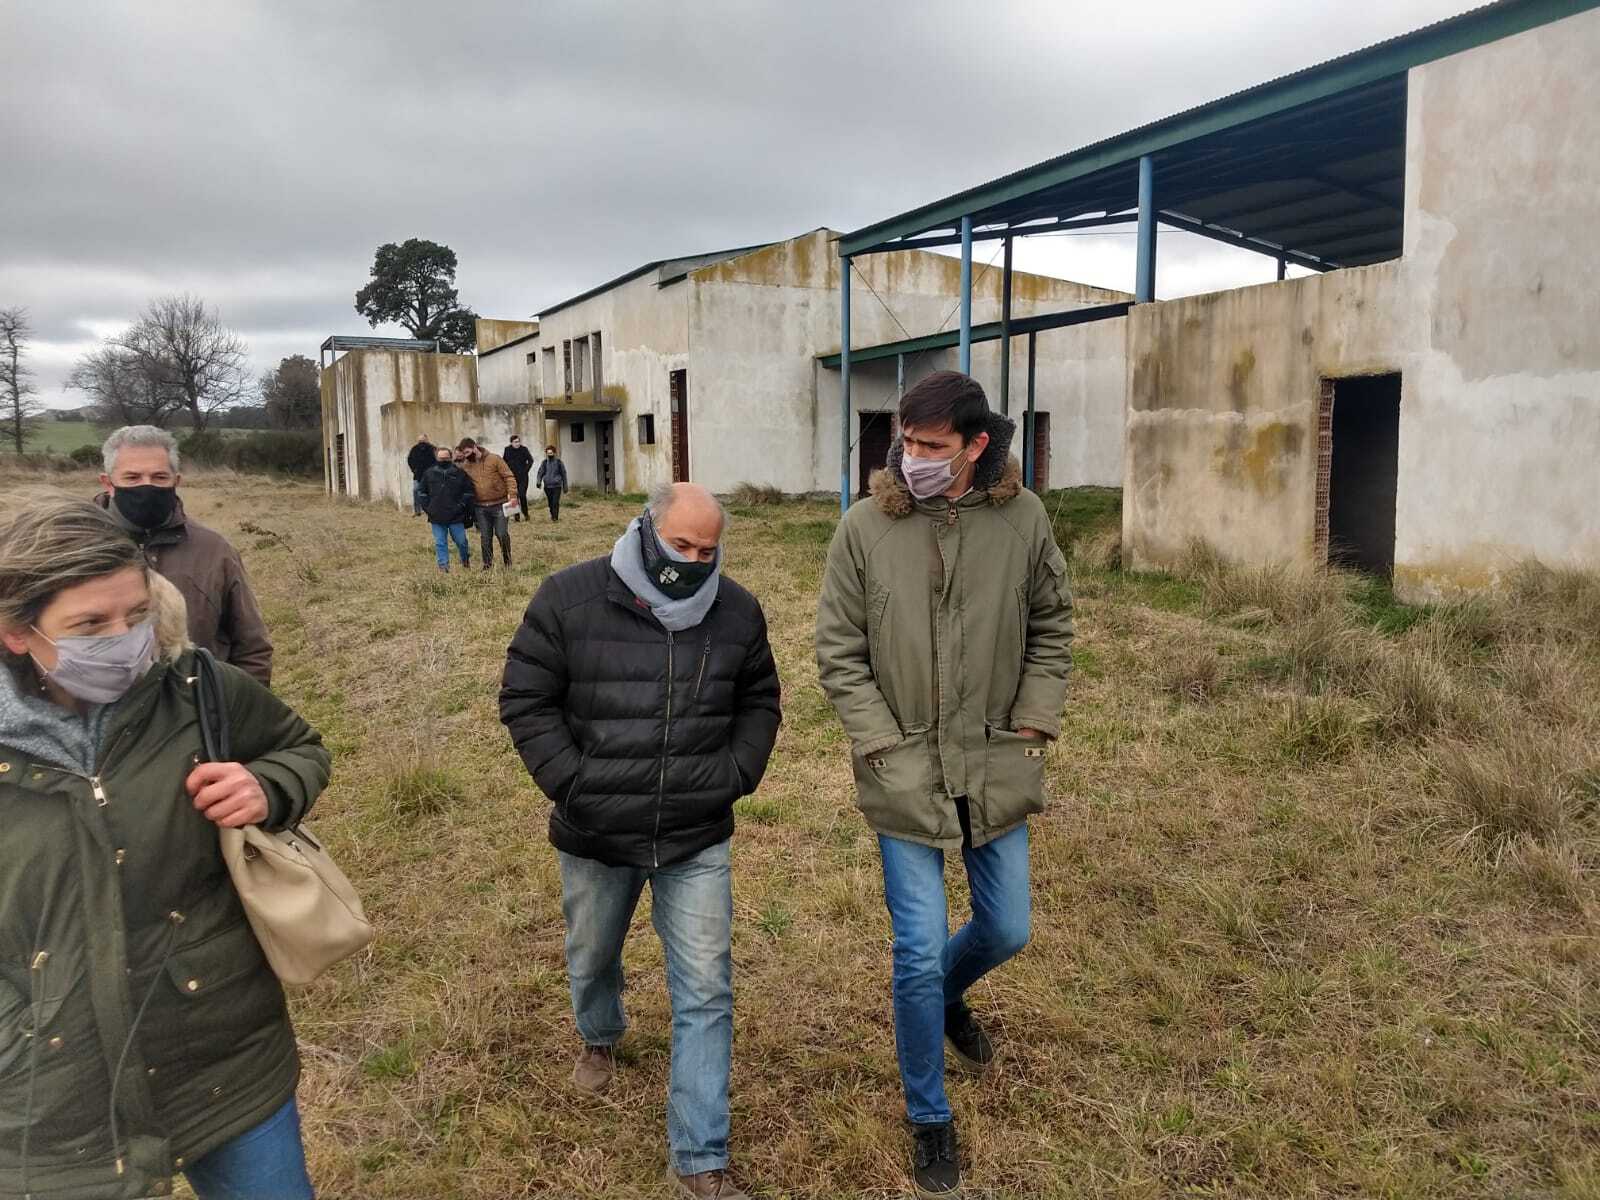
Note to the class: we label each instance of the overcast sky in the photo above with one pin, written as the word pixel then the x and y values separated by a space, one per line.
pixel 257 153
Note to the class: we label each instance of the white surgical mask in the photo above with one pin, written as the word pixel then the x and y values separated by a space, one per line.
pixel 930 477
pixel 101 670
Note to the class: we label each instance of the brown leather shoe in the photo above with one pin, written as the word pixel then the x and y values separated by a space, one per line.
pixel 595 1068
pixel 709 1185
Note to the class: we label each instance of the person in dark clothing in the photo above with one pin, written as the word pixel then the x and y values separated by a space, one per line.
pixel 642 695
pixel 420 461
pixel 520 459
pixel 447 497
pixel 141 483
pixel 552 478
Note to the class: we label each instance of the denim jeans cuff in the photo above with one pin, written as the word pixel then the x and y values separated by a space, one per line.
pixel 696 1164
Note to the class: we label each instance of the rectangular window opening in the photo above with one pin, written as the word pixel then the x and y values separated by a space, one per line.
pixel 575 433
pixel 647 429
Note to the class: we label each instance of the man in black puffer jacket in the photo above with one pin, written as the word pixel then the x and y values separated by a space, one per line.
pixel 642 695
pixel 447 497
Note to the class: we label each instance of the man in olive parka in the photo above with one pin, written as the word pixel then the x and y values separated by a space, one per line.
pixel 944 642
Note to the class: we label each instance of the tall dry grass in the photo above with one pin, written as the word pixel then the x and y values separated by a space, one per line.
pixel 1314 901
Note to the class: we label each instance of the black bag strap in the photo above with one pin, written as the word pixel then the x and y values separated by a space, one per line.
pixel 213 706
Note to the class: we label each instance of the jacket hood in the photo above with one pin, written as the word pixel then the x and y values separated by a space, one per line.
pixel 997 472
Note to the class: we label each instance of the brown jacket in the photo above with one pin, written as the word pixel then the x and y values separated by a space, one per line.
pixel 223 614
pixel 492 480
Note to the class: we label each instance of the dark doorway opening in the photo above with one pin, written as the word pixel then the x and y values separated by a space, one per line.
pixel 1363 472
pixel 678 387
pixel 341 485
pixel 604 459
pixel 872 446
pixel 1040 433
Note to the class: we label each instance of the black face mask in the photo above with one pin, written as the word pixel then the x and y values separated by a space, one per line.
pixel 673 579
pixel 147 506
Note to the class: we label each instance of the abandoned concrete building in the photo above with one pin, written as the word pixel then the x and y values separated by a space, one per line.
pixel 379 394
pixel 722 368
pixel 1426 404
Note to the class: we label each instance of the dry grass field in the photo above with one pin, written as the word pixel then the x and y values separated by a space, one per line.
pixel 1315 905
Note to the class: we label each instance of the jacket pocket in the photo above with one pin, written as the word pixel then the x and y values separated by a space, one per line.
pixel 1013 783
pixel 894 787
pixel 200 971
pixel 572 789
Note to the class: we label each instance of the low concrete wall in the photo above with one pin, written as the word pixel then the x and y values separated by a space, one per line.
pixel 445 425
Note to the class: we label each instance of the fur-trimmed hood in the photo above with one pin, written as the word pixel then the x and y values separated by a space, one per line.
pixel 171 617
pixel 998 473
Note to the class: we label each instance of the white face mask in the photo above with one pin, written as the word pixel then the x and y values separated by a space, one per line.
pixel 930 477
pixel 101 670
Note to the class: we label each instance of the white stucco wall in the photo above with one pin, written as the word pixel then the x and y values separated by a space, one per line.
pixel 763 412
pixel 506 377
pixel 1500 422
pixel 644 335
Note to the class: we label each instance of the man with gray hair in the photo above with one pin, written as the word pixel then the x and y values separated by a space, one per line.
pixel 642 696
pixel 141 491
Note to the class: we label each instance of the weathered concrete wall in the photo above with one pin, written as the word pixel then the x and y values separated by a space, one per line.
pixel 446 424
pixel 492 333
pixel 506 377
pixel 1500 417
pixel 1492 317
pixel 761 411
pixel 356 388
pixel 1222 408
pixel 644 335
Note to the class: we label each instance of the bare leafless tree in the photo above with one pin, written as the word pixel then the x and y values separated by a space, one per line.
pixel 182 341
pixel 22 410
pixel 125 389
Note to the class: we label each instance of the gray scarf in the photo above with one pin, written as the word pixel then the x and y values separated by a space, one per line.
pixel 38 727
pixel 627 560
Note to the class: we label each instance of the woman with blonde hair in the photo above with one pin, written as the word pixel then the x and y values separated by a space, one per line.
pixel 142 1033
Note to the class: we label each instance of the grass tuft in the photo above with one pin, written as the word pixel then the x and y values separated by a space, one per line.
pixel 421 789
pixel 752 494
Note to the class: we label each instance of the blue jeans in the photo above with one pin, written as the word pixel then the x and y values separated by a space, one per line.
pixel 933 970
pixel 265 1163
pixel 458 534
pixel 692 910
pixel 416 496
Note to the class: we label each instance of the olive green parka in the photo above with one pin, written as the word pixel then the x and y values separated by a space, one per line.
pixel 114 898
pixel 944 627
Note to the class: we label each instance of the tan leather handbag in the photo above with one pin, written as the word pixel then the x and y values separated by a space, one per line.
pixel 304 912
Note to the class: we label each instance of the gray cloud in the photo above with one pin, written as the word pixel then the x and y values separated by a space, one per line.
pixel 257 153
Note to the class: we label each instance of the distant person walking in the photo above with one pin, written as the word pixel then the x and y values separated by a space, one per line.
pixel 449 498
pixel 642 695
pixel 552 478
pixel 141 491
pixel 493 484
pixel 520 459
pixel 420 460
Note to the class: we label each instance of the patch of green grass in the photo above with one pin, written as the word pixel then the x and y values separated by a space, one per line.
pixel 420 790
pixel 397 1061
pixel 762 812
pixel 1376 605
pixel 775 919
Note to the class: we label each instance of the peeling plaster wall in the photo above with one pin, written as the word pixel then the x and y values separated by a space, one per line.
pixel 1500 437
pixel 1492 317
pixel 1222 408
pixel 762 410
pixel 505 377
pixel 355 390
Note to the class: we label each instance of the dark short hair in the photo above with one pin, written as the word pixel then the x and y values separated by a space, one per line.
pixel 552 449
pixel 466 444
pixel 946 399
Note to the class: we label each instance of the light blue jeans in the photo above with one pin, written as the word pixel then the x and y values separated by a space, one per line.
pixel 933 970
pixel 691 906
pixel 441 549
pixel 264 1163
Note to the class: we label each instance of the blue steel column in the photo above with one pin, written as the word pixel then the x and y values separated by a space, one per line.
pixel 1144 287
pixel 1005 333
pixel 844 385
pixel 966 295
pixel 1027 424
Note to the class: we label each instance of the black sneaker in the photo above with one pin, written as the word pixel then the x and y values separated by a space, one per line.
pixel 935 1162
pixel 968 1042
